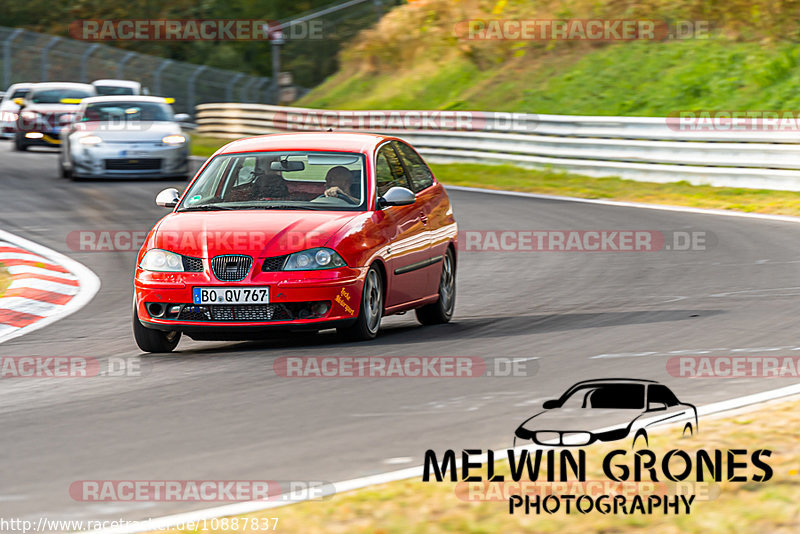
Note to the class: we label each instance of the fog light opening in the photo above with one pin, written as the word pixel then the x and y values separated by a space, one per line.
pixel 156 309
pixel 320 308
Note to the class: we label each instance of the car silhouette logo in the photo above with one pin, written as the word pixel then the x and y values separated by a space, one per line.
pixel 623 407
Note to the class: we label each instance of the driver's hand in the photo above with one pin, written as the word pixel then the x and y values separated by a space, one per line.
pixel 333 191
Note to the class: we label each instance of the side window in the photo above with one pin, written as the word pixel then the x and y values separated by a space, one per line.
pixel 421 176
pixel 662 394
pixel 388 170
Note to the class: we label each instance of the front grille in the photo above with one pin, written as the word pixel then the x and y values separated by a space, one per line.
pixel 192 265
pixel 145 164
pixel 231 268
pixel 239 312
pixel 273 264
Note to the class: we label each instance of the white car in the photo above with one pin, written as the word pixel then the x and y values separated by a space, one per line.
pixel 124 137
pixel 9 109
pixel 112 87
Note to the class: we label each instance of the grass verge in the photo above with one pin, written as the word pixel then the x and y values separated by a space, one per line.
pixel 205 146
pixel 551 182
pixel 5 279
pixel 413 506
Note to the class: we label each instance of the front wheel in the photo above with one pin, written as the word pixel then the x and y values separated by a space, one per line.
pixel 441 311
pixel 19 144
pixel 150 340
pixel 65 173
pixel 371 312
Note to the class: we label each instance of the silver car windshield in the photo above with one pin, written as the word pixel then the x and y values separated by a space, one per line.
pixel 280 180
pixel 127 112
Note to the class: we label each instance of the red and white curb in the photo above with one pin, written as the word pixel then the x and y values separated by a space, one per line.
pixel 45 286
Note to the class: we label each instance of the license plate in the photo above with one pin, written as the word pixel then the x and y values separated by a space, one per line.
pixel 231 295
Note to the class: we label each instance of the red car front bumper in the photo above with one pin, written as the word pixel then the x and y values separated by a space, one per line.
pixel 292 296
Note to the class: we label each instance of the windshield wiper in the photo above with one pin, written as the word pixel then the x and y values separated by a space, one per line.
pixel 278 207
pixel 208 207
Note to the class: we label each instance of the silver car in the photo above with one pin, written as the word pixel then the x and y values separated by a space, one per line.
pixel 124 137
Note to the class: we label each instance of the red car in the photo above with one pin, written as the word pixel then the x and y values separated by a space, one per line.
pixel 302 231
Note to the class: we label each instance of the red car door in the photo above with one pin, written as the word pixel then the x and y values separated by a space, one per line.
pixel 409 255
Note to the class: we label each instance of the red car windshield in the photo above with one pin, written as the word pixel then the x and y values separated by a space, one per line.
pixel 280 180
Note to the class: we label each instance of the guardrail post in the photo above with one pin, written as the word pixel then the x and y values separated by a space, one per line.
pixel 277 41
pixel 229 89
pixel 258 87
pixel 190 83
pixel 123 61
pixel 157 76
pixel 85 61
pixel 7 57
pixel 44 56
pixel 245 93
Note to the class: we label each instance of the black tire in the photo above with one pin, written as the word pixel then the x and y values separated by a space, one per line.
pixel 63 171
pixel 150 340
pixel 370 313
pixel 19 144
pixel 441 311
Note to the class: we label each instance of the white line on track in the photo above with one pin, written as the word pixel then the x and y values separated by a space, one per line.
pixel 414 472
pixel 44 285
pixel 30 269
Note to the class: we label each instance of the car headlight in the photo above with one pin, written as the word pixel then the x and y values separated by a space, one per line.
pixel 313 259
pixel 90 140
pixel 173 140
pixel 29 115
pixel 162 261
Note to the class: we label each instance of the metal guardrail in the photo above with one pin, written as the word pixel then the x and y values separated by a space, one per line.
pixel 637 148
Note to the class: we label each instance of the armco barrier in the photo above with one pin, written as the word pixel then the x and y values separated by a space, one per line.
pixel 636 148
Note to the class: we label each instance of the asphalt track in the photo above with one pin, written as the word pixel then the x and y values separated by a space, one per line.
pixel 218 411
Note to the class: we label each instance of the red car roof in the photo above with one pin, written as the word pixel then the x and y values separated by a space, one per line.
pixel 330 141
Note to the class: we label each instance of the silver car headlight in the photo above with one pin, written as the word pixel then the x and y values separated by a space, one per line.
pixel 173 140
pixel 90 140
pixel 313 259
pixel 162 261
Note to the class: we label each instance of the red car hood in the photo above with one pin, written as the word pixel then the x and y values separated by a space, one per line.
pixel 259 234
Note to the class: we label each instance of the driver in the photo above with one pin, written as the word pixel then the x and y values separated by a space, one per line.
pixel 337 184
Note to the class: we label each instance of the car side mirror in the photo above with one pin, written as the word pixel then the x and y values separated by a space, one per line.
pixel 397 196
pixel 168 198
pixel 656 406
pixel 182 117
pixel 550 404
pixel 19 101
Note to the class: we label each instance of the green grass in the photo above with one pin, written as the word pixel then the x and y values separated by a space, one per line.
pixel 642 79
pixel 205 146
